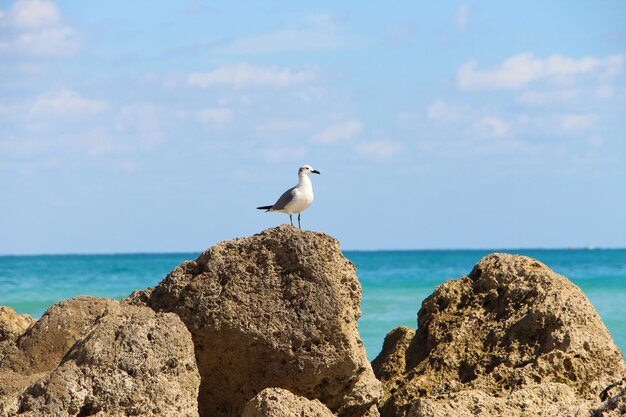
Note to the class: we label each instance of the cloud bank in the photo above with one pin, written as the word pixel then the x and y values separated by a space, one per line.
pixel 243 75
pixel 520 70
pixel 35 28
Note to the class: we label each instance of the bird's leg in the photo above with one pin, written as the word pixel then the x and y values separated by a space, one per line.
pixel 290 220
pixel 299 227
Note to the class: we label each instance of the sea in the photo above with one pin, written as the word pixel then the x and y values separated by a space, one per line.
pixel 394 282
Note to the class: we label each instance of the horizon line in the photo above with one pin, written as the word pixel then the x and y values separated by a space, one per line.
pixel 589 248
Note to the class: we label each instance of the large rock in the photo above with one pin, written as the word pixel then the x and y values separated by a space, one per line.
pixel 277 309
pixel 511 325
pixel 43 346
pixel 278 402
pixel 91 356
pixel 545 400
pixel 12 324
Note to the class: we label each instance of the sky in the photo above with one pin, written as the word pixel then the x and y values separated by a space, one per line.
pixel 154 126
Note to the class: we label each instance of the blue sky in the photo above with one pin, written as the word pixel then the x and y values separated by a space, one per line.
pixel 158 126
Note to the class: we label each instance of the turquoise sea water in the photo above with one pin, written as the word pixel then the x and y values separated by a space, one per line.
pixel 394 282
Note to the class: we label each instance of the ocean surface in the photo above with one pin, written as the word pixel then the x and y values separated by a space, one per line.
pixel 394 282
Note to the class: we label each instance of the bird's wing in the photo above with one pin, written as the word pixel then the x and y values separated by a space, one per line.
pixel 284 199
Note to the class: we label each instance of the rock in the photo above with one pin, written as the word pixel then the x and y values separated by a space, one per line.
pixel 278 402
pixel 277 309
pixel 12 324
pixel 90 356
pixel 614 407
pixel 545 400
pixel 508 327
pixel 615 404
pixel 390 364
pixel 40 349
pixel 45 343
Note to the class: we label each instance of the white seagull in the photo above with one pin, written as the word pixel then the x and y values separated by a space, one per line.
pixel 297 198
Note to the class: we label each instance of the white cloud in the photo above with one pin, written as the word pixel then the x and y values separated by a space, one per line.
pixel 61 41
pixel 215 115
pixel 577 121
pixel 379 149
pixel 437 109
pixel 318 32
pixel 31 14
pixel 274 126
pixel 36 30
pixel 462 15
pixel 541 98
pixel 248 75
pixel 66 103
pixel 338 132
pixel 443 111
pixel 550 125
pixel 520 70
pixel 492 125
pixel 312 94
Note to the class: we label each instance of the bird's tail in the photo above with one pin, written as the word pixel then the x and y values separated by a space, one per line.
pixel 266 208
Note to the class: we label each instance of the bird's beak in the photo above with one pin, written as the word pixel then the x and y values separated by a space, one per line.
pixel 315 171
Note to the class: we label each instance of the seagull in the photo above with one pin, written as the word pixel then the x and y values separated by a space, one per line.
pixel 297 198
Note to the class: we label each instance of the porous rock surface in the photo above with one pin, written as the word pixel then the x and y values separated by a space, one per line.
pixel 511 338
pixel 615 404
pixel 92 356
pixel 278 402
pixel 12 324
pixel 545 400
pixel 277 309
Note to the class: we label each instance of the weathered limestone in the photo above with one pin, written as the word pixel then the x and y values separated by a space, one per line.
pixel 269 323
pixel 512 330
pixel 90 356
pixel 278 402
pixel 277 309
pixel 12 324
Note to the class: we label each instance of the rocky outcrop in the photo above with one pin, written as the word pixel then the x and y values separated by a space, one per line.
pixel 512 338
pixel 277 309
pixel 269 324
pixel 391 363
pixel 90 356
pixel 12 324
pixel 545 400
pixel 278 402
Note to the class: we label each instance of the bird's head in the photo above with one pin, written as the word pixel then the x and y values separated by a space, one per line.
pixel 307 169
